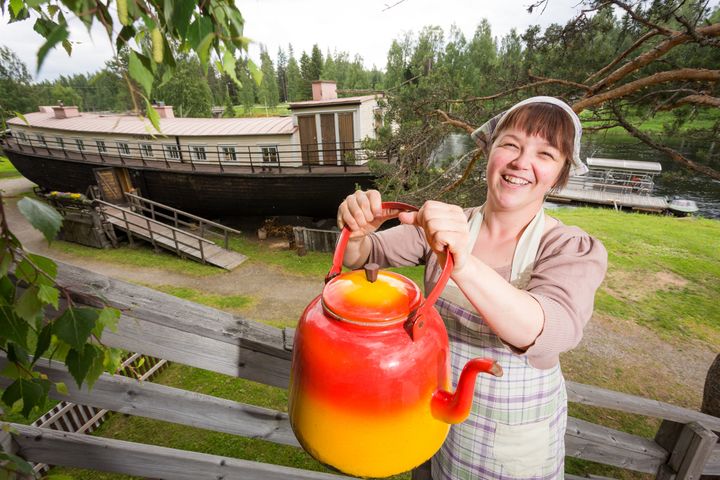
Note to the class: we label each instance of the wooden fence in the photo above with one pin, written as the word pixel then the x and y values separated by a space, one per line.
pixel 314 240
pixel 164 326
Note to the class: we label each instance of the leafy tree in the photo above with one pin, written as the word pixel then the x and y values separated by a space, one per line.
pixel 15 89
pixel 34 323
pixel 187 90
pixel 282 75
pixel 247 94
pixel 329 71
pixel 52 93
pixel 316 64
pixel 268 92
pixel 153 33
pixel 229 108
pixel 294 79
pixel 307 74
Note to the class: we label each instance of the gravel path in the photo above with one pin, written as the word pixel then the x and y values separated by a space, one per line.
pixel 613 352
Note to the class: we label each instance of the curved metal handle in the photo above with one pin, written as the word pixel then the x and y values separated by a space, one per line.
pixel 345 236
pixel 415 326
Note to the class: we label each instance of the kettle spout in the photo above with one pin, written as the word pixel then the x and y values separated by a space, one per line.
pixel 455 407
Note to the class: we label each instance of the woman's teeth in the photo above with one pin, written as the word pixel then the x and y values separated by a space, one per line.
pixel 515 180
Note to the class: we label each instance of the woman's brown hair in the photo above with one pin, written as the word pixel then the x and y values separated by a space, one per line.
pixel 551 123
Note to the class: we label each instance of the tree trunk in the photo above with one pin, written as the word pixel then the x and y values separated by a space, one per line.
pixel 711 398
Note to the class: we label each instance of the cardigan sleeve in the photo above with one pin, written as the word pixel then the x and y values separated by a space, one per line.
pixel 400 246
pixel 568 271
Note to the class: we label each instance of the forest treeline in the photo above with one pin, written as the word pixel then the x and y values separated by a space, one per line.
pixel 428 68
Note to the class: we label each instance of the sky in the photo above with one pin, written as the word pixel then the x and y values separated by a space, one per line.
pixel 364 27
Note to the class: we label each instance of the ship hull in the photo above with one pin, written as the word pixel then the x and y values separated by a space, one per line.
pixel 207 194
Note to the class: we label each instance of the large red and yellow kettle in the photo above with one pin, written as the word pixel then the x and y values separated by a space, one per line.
pixel 370 379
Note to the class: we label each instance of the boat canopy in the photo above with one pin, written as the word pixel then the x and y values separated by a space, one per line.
pixel 634 165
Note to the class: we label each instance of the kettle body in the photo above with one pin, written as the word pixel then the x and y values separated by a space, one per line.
pixel 370 375
pixel 360 397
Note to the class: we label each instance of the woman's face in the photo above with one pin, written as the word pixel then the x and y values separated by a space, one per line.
pixel 521 169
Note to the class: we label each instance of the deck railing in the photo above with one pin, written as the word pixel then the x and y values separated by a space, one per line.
pixel 180 219
pixel 180 240
pixel 167 327
pixel 614 181
pixel 171 154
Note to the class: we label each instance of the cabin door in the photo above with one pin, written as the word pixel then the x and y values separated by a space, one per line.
pixel 346 127
pixel 327 130
pixel 113 183
pixel 308 140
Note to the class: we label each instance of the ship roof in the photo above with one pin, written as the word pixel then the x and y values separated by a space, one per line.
pixel 332 102
pixel 134 125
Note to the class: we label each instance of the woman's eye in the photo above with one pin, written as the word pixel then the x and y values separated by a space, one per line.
pixel 548 155
pixel 510 145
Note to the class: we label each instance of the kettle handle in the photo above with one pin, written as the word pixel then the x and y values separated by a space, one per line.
pixel 434 294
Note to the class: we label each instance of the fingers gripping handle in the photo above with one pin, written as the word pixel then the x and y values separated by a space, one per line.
pixel 345 236
pixel 434 294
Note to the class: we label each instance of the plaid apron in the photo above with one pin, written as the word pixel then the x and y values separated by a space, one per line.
pixel 516 428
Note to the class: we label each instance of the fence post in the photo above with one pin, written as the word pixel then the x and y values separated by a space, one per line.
pixel 690 447
pixel 299 241
pixel 711 398
pixel 8 445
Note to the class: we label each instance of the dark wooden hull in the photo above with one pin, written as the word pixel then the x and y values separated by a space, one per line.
pixel 312 194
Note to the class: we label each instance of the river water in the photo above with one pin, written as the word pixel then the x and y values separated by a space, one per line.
pixel 674 181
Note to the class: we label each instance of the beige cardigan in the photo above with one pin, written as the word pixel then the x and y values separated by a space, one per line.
pixel 569 267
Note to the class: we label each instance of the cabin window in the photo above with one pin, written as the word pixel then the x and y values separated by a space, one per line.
pixel 102 148
pixel 123 148
pixel 197 152
pixel 172 151
pixel 228 153
pixel 22 138
pixel 59 142
pixel 270 154
pixel 146 150
pixel 41 140
pixel 80 144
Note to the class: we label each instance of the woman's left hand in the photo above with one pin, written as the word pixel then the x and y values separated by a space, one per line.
pixel 445 226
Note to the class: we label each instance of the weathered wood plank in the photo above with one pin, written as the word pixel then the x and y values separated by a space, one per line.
pixel 162 325
pixel 151 400
pixel 149 305
pixel 600 397
pixel 96 453
pixel 712 467
pixel 199 351
pixel 604 445
pixel 589 476
pixel 692 451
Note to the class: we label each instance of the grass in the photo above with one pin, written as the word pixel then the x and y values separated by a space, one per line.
pixel 262 111
pixel 160 433
pixel 657 124
pixel 231 303
pixel 664 273
pixel 7 169
pixel 139 255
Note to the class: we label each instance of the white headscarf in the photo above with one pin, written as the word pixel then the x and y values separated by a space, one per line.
pixel 483 135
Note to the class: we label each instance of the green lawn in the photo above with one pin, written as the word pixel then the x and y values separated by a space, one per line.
pixel 664 273
pixel 657 124
pixel 7 170
pixel 258 110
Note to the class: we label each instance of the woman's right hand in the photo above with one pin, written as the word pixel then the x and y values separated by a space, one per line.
pixel 362 212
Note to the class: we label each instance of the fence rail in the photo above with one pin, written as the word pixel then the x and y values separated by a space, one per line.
pixel 157 324
pixel 169 154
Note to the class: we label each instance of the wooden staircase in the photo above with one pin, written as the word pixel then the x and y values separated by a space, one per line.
pixel 161 235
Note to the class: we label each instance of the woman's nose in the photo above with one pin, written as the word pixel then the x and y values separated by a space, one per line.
pixel 522 160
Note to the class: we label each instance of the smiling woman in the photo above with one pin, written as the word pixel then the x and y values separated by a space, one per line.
pixel 521 292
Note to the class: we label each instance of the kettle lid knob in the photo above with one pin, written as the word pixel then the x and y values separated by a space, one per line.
pixel 371 271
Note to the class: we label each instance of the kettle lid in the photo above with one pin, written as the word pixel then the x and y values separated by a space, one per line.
pixel 357 297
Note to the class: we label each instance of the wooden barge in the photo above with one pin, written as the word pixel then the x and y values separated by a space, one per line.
pixel 303 164
pixel 622 184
